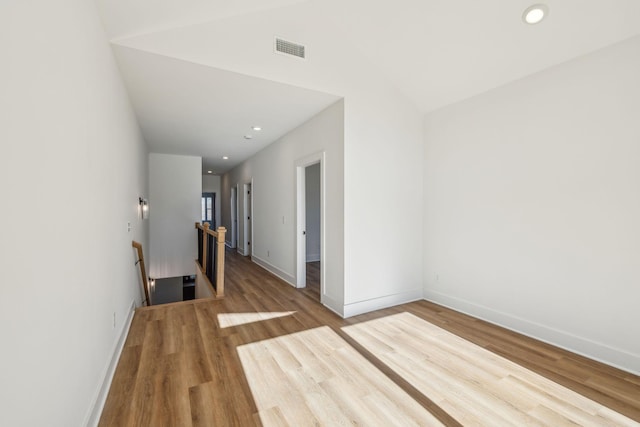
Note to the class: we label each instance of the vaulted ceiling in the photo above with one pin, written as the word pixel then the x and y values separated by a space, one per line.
pixel 201 73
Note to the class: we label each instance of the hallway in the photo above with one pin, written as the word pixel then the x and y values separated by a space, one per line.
pixel 269 355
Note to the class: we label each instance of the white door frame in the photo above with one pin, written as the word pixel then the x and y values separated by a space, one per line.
pixel 301 243
pixel 238 223
pixel 234 217
pixel 247 212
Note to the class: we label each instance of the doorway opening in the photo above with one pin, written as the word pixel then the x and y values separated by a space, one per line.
pixel 247 212
pixel 209 209
pixel 310 228
pixel 234 218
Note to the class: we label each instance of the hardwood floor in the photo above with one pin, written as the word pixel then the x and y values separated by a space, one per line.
pixel 312 290
pixel 471 383
pixel 268 353
pixel 314 377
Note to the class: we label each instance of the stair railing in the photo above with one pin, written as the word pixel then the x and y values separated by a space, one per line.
pixel 211 256
pixel 143 271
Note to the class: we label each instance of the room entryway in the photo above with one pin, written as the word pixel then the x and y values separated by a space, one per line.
pixel 248 233
pixel 309 226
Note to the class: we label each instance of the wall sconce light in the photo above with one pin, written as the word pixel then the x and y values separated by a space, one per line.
pixel 144 208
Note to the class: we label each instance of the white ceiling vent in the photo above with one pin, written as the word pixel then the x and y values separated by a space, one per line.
pixel 289 48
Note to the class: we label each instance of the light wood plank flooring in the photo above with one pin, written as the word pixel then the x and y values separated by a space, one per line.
pixel 207 363
pixel 474 385
pixel 314 377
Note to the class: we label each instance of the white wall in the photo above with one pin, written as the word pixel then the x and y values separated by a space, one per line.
pixel 72 166
pixel 532 195
pixel 382 136
pixel 274 197
pixel 312 201
pixel 203 288
pixel 211 184
pixel 383 203
pixel 175 184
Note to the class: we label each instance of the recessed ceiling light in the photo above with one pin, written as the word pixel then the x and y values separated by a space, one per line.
pixel 248 136
pixel 535 14
pixel 209 171
pixel 225 158
pixel 257 128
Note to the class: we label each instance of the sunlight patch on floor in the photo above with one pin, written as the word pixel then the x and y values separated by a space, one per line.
pixel 314 377
pixel 474 385
pixel 226 320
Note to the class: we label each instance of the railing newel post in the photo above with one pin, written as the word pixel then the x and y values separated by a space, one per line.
pixel 220 262
pixel 215 250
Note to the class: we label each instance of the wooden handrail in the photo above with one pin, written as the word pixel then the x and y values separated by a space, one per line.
pixel 143 271
pixel 205 227
pixel 220 241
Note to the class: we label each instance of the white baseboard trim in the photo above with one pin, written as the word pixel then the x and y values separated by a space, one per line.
pixel 360 307
pixel 95 411
pixel 600 352
pixel 327 301
pixel 333 305
pixel 240 251
pixel 275 270
pixel 313 258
